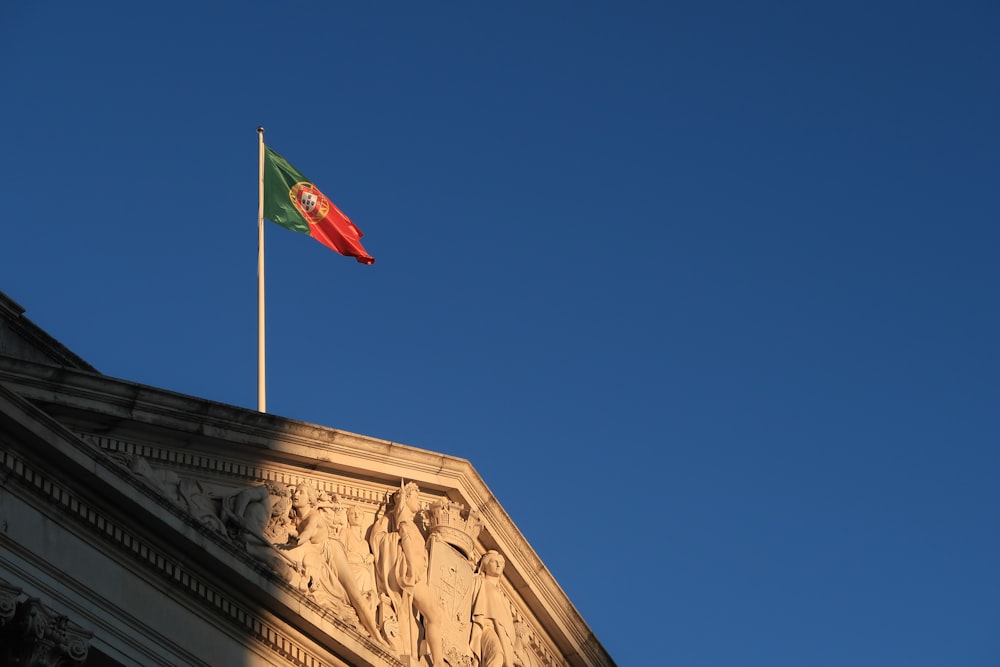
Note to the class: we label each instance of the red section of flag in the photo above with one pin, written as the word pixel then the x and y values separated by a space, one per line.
pixel 334 229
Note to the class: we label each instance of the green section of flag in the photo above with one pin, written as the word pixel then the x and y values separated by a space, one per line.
pixel 279 178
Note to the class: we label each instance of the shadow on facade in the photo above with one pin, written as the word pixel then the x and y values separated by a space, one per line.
pixel 143 527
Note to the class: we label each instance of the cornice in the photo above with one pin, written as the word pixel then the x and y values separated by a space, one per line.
pixel 193 422
pixel 105 406
pixel 45 344
pixel 234 474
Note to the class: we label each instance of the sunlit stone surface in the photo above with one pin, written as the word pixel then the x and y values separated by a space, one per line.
pixel 142 527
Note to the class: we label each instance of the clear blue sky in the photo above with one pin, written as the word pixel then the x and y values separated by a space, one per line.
pixel 707 292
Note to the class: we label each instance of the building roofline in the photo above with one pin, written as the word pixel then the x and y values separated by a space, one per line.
pixel 59 354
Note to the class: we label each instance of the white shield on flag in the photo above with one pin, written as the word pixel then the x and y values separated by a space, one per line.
pixel 308 200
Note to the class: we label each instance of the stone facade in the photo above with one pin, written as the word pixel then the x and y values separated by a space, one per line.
pixel 143 527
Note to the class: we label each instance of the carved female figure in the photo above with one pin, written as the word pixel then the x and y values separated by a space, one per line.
pixel 359 554
pixel 325 573
pixel 493 634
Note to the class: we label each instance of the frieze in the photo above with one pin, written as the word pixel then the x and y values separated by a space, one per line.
pixel 240 473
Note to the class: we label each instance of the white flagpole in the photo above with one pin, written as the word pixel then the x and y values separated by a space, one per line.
pixel 261 393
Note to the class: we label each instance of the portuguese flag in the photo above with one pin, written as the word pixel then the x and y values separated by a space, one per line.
pixel 292 201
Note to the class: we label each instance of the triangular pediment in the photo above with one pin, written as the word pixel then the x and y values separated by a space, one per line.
pixel 312 542
pixel 23 339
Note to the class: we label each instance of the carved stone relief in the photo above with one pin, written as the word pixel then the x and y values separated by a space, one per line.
pixel 317 560
pixel 407 576
pixel 448 610
pixel 523 654
pixel 493 634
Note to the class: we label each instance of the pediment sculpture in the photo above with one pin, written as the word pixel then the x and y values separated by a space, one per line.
pixel 409 576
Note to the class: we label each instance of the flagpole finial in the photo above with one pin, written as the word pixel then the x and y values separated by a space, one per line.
pixel 260 129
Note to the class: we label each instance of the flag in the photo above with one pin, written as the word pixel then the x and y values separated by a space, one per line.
pixel 292 201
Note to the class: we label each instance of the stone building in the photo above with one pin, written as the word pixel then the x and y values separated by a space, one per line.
pixel 139 526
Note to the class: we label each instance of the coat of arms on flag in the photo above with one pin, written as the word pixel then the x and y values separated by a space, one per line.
pixel 310 201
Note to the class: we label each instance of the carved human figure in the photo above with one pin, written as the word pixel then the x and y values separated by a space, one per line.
pixel 523 657
pixel 259 518
pixel 164 481
pixel 203 503
pixel 250 510
pixel 279 528
pixel 333 513
pixel 493 634
pixel 401 568
pixel 393 618
pixel 359 554
pixel 199 499
pixel 320 560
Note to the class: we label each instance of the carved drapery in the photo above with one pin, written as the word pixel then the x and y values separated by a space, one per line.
pixel 409 576
pixel 32 635
pixel 443 603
